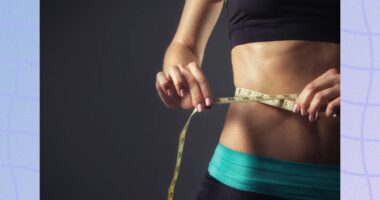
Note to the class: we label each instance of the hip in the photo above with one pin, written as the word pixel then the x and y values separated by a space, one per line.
pixel 260 129
pixel 248 176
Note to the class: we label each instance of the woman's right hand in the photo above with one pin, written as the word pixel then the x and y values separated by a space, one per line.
pixel 185 87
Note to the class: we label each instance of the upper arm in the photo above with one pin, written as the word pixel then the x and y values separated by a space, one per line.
pixel 197 21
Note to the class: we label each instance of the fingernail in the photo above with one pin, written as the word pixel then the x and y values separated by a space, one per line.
pixel 310 118
pixel 169 92
pixel 295 108
pixel 182 92
pixel 199 107
pixel 208 101
pixel 316 115
pixel 334 115
pixel 303 113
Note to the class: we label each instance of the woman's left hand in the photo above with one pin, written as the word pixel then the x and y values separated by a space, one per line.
pixel 323 91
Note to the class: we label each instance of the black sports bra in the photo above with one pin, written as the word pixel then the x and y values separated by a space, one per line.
pixel 269 20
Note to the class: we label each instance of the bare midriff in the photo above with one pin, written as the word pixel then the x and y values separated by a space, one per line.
pixel 281 67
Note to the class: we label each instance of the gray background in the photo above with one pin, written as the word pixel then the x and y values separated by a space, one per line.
pixel 105 132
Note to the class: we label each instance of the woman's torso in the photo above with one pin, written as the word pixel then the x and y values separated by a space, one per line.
pixel 280 67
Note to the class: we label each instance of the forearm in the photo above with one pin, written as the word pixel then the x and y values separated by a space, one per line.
pixel 179 53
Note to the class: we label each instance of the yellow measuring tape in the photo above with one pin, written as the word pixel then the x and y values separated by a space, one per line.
pixel 283 101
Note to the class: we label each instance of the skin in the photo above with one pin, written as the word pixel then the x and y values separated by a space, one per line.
pixel 309 134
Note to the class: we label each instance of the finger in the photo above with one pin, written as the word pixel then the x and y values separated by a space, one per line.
pixel 164 83
pixel 332 106
pixel 202 81
pixel 168 101
pixel 322 98
pixel 194 89
pixel 178 80
pixel 326 80
pixel 165 88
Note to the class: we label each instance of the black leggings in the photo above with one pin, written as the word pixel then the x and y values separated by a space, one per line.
pixel 212 189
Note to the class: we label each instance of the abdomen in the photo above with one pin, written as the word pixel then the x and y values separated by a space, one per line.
pixel 281 67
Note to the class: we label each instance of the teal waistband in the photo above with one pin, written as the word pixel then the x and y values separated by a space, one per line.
pixel 282 178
